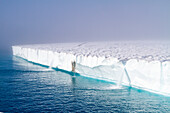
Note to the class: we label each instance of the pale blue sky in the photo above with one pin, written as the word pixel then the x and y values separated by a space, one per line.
pixel 49 21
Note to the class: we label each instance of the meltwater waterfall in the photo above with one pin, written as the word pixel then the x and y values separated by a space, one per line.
pixel 124 73
pixel 161 76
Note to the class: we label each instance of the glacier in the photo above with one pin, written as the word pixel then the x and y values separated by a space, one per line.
pixel 140 64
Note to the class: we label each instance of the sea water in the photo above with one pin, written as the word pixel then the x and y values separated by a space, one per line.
pixel 27 87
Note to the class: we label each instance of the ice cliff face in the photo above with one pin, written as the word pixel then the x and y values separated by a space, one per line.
pixel 144 65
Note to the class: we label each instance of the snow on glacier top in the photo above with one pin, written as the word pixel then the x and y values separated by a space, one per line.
pixel 122 50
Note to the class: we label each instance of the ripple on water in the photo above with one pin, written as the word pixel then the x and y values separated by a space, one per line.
pixel 54 91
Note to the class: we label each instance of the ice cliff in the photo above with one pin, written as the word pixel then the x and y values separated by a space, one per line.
pixel 144 65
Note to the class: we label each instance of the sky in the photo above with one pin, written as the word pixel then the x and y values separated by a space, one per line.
pixel 54 21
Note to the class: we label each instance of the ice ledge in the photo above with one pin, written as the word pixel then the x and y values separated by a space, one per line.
pixel 111 61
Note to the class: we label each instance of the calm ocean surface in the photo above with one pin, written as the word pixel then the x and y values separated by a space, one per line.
pixel 25 87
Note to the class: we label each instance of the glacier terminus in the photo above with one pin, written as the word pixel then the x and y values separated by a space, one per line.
pixel 140 64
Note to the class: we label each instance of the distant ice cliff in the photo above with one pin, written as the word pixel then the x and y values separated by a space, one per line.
pixel 144 65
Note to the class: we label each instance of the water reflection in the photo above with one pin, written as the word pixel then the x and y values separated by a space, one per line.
pixel 73 79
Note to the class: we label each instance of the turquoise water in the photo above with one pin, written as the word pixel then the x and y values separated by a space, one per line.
pixel 26 87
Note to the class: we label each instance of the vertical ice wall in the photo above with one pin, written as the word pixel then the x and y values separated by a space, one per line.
pixel 153 76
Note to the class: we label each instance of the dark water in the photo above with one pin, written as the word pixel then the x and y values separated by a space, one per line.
pixel 25 87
